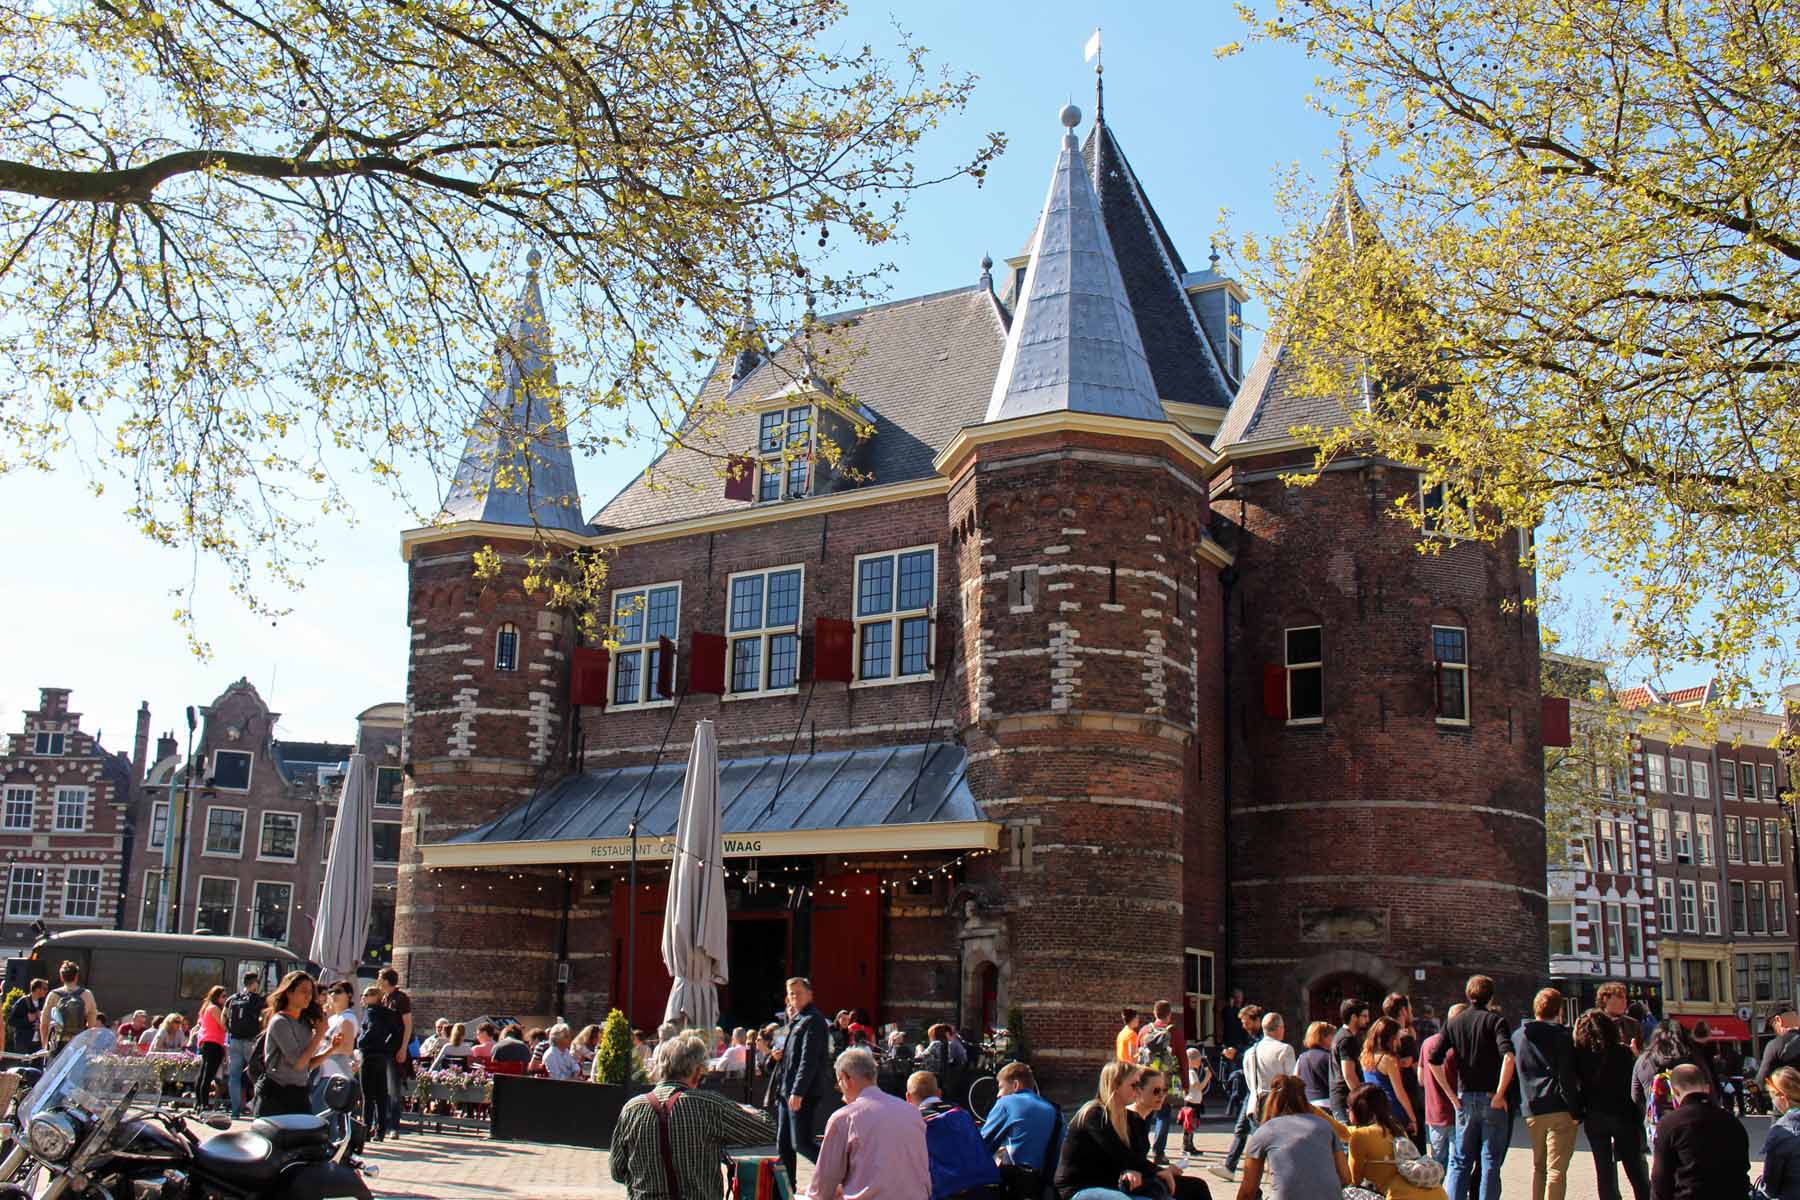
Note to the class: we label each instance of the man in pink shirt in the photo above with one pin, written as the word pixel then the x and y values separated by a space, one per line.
pixel 874 1146
pixel 1440 1113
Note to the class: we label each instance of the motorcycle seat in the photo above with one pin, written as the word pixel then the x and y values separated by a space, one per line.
pixel 242 1158
pixel 294 1131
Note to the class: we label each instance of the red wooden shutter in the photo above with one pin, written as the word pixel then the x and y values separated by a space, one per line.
pixel 706 664
pixel 740 478
pixel 665 667
pixel 832 641
pixel 1275 692
pixel 846 943
pixel 587 680
pixel 1555 722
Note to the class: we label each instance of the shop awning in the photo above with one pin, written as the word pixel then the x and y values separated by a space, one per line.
pixel 886 798
pixel 1724 1027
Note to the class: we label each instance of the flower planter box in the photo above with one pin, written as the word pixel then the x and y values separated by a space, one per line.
pixel 560 1111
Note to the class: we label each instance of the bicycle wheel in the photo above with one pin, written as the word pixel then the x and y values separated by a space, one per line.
pixel 982 1095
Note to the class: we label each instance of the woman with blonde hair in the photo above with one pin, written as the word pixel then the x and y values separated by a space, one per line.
pixel 587 1047
pixel 171 1035
pixel 1097 1161
pixel 1781 1148
pixel 454 1050
pixel 1314 1065
pixel 1381 1067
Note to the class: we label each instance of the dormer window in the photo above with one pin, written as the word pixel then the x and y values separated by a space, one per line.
pixel 784 448
pixel 1234 336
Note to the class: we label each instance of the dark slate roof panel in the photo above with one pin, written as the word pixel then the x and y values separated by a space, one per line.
pixel 922 367
pixel 840 789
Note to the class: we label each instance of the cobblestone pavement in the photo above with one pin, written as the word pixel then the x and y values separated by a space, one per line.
pixel 447 1167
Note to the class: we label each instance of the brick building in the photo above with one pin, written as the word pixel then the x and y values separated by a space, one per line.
pixel 64 826
pixel 1126 717
pixel 260 824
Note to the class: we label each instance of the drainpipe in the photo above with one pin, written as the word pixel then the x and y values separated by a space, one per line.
pixel 1227 579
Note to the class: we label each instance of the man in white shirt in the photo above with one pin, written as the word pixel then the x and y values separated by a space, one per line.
pixel 559 1061
pixel 1266 1061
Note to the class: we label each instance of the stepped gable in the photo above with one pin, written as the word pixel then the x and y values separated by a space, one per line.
pixel 517 468
pixel 920 368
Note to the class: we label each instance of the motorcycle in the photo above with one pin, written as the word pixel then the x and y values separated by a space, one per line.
pixel 95 1128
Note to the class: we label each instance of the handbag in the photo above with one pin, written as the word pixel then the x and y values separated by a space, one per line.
pixel 1353 1192
pixel 1414 1167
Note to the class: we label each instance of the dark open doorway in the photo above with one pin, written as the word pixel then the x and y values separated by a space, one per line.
pixel 1325 995
pixel 760 949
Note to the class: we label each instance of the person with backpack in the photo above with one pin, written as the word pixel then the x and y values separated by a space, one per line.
pixel 960 1162
pixel 68 1010
pixel 382 1029
pixel 1156 1052
pixel 1652 1092
pixel 1614 1128
pixel 243 1025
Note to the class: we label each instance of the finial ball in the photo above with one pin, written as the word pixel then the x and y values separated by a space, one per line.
pixel 987 262
pixel 534 260
pixel 1070 116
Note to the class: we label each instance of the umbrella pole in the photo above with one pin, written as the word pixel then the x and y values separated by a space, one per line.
pixel 631 884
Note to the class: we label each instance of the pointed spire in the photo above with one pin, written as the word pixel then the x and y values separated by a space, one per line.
pixel 1074 344
pixel 517 468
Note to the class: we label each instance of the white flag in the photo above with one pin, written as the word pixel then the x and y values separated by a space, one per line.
pixel 1092 50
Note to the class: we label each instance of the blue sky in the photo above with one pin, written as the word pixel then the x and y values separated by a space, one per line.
pixel 90 601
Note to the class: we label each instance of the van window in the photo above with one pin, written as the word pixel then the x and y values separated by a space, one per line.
pixel 199 976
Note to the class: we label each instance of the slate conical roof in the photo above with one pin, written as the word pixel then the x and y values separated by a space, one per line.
pixel 1074 343
pixel 517 468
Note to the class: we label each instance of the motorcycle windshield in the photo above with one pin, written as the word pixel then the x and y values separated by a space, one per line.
pixel 88 1074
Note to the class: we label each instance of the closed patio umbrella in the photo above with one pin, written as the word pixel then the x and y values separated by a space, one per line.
pixel 341 925
pixel 693 940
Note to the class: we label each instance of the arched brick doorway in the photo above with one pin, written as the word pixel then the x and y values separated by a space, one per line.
pixel 1326 994
pixel 1326 979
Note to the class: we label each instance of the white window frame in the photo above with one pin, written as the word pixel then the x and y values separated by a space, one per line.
pixel 230 929
pixel 762 634
pixel 150 898
pixel 12 886
pixel 1734 889
pixel 789 454
pixel 1627 851
pixel 1728 779
pixel 518 646
pixel 1678 775
pixel 1772 843
pixel 399 789
pixel 19 793
pixel 1690 907
pixel 1709 909
pixel 68 897
pixel 1665 906
pixel 386 862
pixel 1703 839
pixel 206 831
pixel 49 743
pixel 262 827
pixel 645 648
pixel 330 826
pixel 1756 897
pixel 1734 852
pixel 1684 837
pixel 1439 667
pixel 1659 834
pixel 1290 666
pixel 1765 782
pixel 1613 932
pixel 255 907
pixel 1655 773
pixel 1747 794
pixel 249 777
pixel 892 618
pixel 1607 863
pixel 1634 933
pixel 1201 1003
pixel 1429 521
pixel 1566 922
pixel 85 796
pixel 1753 841
pixel 158 808
pixel 1777 901
pixel 1702 779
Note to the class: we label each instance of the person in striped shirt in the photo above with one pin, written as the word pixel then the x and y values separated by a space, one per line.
pixel 701 1125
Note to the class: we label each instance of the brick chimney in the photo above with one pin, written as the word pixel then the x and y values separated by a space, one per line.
pixel 140 744
pixel 166 746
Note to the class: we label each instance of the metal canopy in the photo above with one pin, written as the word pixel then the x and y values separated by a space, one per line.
pixel 831 790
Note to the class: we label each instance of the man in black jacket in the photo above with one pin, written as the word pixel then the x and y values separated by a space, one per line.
pixel 806 1076
pixel 1783 1049
pixel 1702 1151
pixel 1551 1092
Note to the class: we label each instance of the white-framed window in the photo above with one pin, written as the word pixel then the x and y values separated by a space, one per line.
pixel 1747 782
pixel 1702 779
pixel 390 784
pixel 271 910
pixel 1432 504
pixel 1758 916
pixel 386 841
pixel 1234 343
pixel 1778 921
pixel 1200 987
pixel 1690 922
pixel 81 893
pixel 1772 842
pixel 1654 771
pixel 47 743
pixel 1766 773
pixel 325 850
pixel 1614 924
pixel 71 810
pixel 159 824
pixel 784 452
pixel 216 909
pixel 1678 775
pixel 1709 908
pixel 1703 839
pixel 1665 905
pixel 1733 852
pixel 764 628
pixel 896 594
pixel 21 807
pixel 1607 862
pixel 1659 834
pixel 1634 932
pixel 1753 840
pixel 231 770
pixel 224 832
pixel 279 840
pixel 1450 658
pixel 640 617
pixel 1727 778
pixel 150 901
pixel 25 892
pixel 506 647
pixel 1740 923
pixel 1562 927
pixel 1304 647
pixel 1581 852
pixel 1627 859
pixel 1684 837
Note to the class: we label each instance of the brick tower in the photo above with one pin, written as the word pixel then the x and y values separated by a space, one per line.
pixel 1386 792
pixel 1088 610
pixel 486 711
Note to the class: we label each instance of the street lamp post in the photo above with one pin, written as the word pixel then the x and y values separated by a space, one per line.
pixel 178 853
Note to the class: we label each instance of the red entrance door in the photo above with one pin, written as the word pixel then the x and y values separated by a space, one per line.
pixel 846 943
pixel 650 984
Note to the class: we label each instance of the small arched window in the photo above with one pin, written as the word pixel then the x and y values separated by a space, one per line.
pixel 506 648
